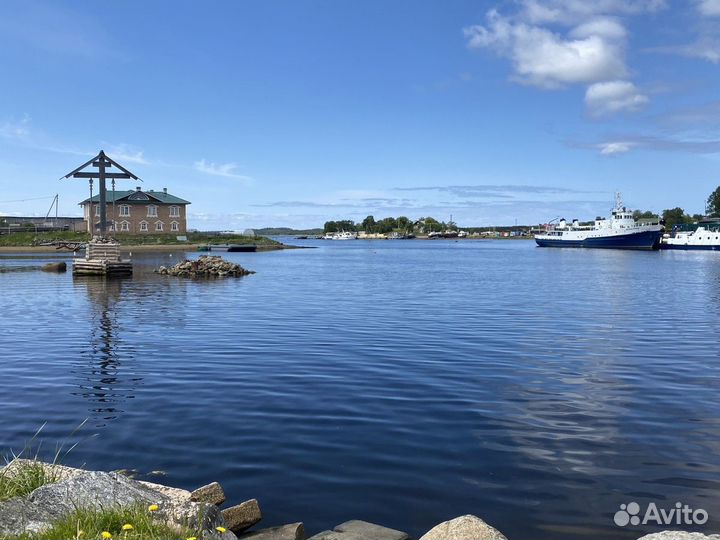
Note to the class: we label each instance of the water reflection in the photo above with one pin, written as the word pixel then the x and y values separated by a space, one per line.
pixel 105 366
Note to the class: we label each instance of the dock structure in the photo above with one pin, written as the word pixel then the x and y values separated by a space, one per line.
pixel 102 256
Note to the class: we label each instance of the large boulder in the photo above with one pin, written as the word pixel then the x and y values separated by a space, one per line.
pixel 293 531
pixel 54 267
pixel 242 516
pixel 212 493
pixel 360 530
pixel 75 489
pixel 466 527
pixel 680 535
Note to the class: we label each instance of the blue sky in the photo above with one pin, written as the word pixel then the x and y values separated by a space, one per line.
pixel 270 113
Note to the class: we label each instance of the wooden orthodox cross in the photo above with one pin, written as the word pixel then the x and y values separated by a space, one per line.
pixel 101 162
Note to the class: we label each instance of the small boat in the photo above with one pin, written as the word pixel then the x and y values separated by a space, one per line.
pixel 344 235
pixel 705 237
pixel 621 231
pixel 232 248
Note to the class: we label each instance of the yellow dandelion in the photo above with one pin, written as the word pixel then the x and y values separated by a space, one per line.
pixel 220 529
pixel 191 538
pixel 153 508
pixel 106 535
pixel 127 527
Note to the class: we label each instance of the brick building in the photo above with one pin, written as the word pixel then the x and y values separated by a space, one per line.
pixel 139 212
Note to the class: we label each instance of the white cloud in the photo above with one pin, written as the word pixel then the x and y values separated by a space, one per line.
pixel 544 58
pixel 558 43
pixel 126 153
pixel 226 169
pixel 709 8
pixel 613 96
pixel 606 27
pixel 617 147
pixel 11 129
pixel 574 11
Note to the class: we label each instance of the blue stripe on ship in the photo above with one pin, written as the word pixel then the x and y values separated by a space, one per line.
pixel 690 247
pixel 640 240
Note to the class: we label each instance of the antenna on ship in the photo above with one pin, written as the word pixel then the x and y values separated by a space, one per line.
pixel 618 201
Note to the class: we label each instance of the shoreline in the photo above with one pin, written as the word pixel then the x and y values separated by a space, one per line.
pixel 141 248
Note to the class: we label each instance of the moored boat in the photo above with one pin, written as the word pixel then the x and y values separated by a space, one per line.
pixel 344 235
pixel 621 231
pixel 705 237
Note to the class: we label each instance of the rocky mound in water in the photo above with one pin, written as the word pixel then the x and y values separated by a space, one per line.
pixel 205 266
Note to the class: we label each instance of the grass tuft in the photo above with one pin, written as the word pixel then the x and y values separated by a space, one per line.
pixel 24 478
pixel 90 524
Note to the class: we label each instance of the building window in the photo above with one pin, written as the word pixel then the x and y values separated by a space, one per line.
pixel 143 226
pixel 174 226
pixel 158 225
pixel 152 211
pixel 97 209
pixel 174 211
pixel 124 226
pixel 124 210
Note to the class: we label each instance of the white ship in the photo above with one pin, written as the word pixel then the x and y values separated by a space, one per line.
pixel 621 231
pixel 344 235
pixel 705 237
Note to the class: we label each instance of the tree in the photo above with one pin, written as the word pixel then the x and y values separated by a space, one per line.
pixel 404 224
pixel 713 204
pixel 346 225
pixel 675 216
pixel 386 225
pixel 432 225
pixel 637 214
pixel 330 226
pixel 368 224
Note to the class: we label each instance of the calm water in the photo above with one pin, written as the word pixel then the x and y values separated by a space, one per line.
pixel 400 382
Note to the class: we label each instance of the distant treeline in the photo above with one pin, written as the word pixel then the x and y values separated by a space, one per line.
pixel 287 231
pixel 677 216
pixel 390 224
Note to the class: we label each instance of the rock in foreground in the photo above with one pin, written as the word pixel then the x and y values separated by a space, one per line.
pixel 205 266
pixel 360 530
pixel 76 488
pixel 467 527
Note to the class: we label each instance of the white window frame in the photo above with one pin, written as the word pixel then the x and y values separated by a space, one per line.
pixel 159 226
pixel 125 226
pixel 144 226
pixel 97 210
pixel 125 210
pixel 174 226
pixel 152 210
pixel 174 211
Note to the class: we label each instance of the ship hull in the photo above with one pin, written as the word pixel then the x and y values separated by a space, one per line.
pixel 690 247
pixel 645 240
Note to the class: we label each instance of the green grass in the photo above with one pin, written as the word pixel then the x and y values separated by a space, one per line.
pixel 89 524
pixel 21 239
pixel 25 479
pixel 18 239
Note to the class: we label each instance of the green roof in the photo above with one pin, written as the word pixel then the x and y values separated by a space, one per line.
pixel 122 196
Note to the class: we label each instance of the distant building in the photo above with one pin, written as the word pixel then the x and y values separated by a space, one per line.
pixel 138 212
pixel 10 223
